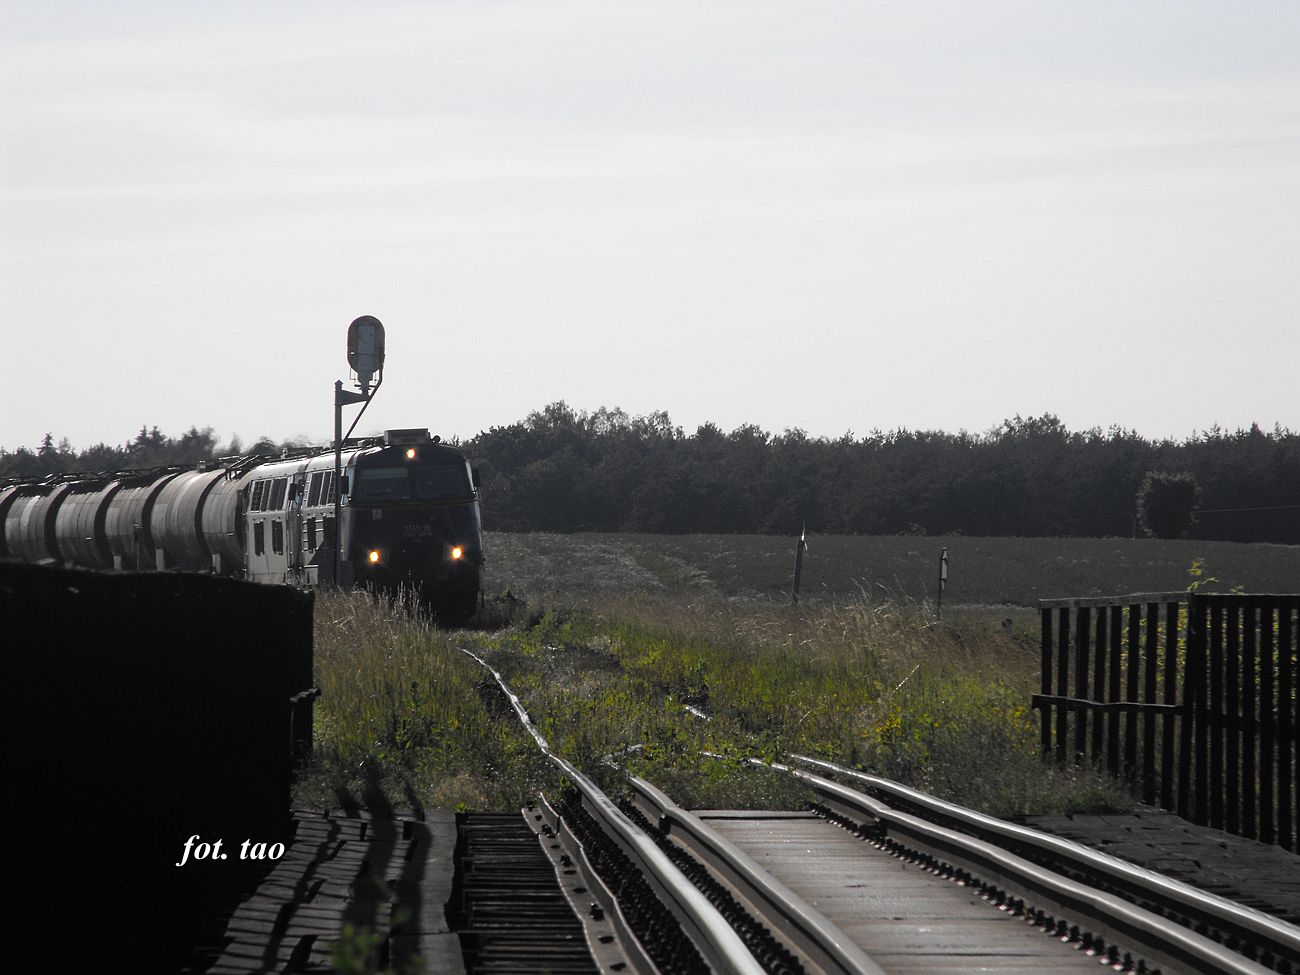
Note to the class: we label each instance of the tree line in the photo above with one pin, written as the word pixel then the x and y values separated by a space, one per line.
pixel 149 448
pixel 565 470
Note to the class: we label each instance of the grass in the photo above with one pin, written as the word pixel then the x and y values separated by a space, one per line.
pixel 407 721
pixel 880 686
pixel 645 652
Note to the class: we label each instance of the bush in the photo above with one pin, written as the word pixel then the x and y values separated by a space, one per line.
pixel 1166 503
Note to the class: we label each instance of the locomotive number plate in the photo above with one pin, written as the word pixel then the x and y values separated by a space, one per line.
pixel 417 531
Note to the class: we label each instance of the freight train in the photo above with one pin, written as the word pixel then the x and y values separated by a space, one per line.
pixel 408 520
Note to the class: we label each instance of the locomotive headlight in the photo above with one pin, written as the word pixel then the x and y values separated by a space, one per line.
pixel 410 453
pixel 375 556
pixel 456 552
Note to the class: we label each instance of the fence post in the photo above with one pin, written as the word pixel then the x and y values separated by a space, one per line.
pixel 1249 722
pixel 1082 619
pixel 1267 727
pixel 1131 693
pixel 1045 682
pixel 1191 728
pixel 1150 680
pixel 1286 718
pixel 1167 768
pixel 1062 682
pixel 1216 716
pixel 1099 685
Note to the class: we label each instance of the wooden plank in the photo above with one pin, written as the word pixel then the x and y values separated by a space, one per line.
pixel 1115 692
pixel 1192 742
pixel 1286 718
pixel 1092 602
pixel 1267 738
pixel 1249 714
pixel 1083 619
pixel 1132 690
pixel 1216 719
pixel 1232 723
pixel 1170 697
pixel 1045 682
pixel 1150 675
pixel 1062 682
pixel 1099 684
pixel 1087 704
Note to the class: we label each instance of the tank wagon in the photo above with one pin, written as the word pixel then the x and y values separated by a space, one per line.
pixel 409 518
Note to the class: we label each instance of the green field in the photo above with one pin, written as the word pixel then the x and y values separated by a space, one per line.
pixel 981 571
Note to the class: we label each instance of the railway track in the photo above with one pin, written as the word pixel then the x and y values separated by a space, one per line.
pixel 880 878
pixel 875 878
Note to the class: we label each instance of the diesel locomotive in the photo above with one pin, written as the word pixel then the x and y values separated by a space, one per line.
pixel 408 520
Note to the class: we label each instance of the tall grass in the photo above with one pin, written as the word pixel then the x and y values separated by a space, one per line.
pixel 405 720
pixel 652 683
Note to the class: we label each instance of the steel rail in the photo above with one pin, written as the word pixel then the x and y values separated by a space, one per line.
pixel 1160 941
pixel 717 942
pixel 1168 896
pixel 813 935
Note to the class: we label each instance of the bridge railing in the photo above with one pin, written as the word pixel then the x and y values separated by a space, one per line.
pixel 1191 697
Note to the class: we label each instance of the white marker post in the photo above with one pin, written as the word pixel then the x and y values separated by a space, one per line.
pixel 800 547
pixel 943 579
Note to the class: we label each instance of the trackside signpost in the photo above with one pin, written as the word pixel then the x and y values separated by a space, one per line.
pixel 943 580
pixel 366 360
pixel 800 547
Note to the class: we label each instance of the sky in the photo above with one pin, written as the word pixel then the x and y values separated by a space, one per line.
pixel 837 217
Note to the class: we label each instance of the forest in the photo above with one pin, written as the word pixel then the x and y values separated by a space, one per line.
pixel 563 470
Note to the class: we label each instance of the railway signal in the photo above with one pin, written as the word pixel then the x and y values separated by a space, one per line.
pixel 366 359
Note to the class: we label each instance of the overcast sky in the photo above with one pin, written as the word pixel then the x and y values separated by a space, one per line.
pixel 833 216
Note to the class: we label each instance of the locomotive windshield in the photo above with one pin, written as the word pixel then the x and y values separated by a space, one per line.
pixel 414 482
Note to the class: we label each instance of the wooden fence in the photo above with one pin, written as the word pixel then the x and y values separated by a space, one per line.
pixel 1189 696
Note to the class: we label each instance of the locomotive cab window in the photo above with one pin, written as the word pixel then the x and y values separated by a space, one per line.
pixel 259 493
pixel 442 482
pixel 382 484
pixel 313 493
pixel 427 481
pixel 279 488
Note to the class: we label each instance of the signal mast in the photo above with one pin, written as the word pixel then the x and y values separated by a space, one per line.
pixel 366 360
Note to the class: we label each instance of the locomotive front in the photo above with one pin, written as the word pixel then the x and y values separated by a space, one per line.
pixel 413 521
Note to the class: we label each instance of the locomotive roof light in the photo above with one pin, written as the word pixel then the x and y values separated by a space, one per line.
pixel 411 437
